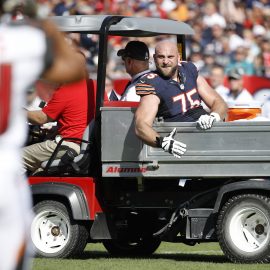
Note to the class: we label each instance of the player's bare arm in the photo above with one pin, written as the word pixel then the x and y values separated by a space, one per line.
pixel 144 118
pixel 68 65
pixel 211 98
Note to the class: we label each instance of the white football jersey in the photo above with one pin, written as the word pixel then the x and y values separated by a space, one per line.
pixel 22 54
pixel 22 60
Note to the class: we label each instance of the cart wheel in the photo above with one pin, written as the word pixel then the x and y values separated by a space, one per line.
pixel 143 247
pixel 54 233
pixel 243 228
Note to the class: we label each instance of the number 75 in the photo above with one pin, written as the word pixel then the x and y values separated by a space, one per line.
pixel 187 97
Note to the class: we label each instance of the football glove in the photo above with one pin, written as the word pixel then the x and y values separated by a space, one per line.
pixel 206 121
pixel 170 145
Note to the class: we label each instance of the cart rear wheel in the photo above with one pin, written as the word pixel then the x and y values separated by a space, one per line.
pixel 243 228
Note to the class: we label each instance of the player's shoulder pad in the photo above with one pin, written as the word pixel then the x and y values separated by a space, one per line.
pixel 190 68
pixel 146 84
pixel 188 65
pixel 149 77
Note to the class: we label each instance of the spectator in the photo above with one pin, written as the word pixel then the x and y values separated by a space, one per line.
pixel 197 38
pixel 180 12
pixel 218 45
pixel 237 94
pixel 234 12
pixel 239 61
pixel 136 58
pixel 257 12
pixel 217 78
pixel 22 62
pixel 259 67
pixel 196 55
pixel 258 30
pixel 267 26
pixel 156 9
pixel 44 8
pixel 209 61
pixel 265 47
pixel 253 49
pixel 211 15
pixel 217 34
pixel 110 92
pixel 239 16
pixel 88 44
pixel 60 8
pixel 235 40
pixel 174 92
pixel 194 12
pixel 85 7
pixel 69 107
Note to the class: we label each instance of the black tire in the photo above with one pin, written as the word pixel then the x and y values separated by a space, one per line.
pixel 243 228
pixel 143 247
pixel 54 233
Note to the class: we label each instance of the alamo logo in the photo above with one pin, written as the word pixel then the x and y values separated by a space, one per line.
pixel 115 169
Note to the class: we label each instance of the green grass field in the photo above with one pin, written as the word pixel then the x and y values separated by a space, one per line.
pixel 167 257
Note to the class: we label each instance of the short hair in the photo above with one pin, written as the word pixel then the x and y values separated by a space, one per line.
pixel 217 65
pixel 29 6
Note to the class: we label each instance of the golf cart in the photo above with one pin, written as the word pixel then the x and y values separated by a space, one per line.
pixel 131 196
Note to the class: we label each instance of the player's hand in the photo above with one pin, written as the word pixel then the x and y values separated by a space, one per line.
pixel 206 121
pixel 170 145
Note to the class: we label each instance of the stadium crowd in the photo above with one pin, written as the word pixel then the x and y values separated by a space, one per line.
pixel 231 33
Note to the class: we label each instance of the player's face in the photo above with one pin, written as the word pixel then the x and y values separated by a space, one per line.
pixel 166 60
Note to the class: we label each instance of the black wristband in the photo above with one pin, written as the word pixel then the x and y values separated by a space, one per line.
pixel 159 141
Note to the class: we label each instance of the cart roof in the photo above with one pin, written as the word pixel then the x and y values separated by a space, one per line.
pixel 128 26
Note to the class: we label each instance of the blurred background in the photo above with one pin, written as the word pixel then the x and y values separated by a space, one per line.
pixel 229 34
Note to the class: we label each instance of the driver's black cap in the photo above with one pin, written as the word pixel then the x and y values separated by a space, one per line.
pixel 135 50
pixel 235 74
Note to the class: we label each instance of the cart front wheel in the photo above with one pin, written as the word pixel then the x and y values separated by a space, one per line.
pixel 54 233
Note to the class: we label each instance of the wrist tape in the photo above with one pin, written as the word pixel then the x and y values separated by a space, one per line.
pixel 159 141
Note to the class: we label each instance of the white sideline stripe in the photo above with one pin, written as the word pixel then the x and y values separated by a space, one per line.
pixel 193 252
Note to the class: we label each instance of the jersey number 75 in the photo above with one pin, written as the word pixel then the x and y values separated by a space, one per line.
pixel 187 100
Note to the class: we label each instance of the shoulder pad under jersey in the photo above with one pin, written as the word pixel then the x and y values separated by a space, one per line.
pixel 146 85
pixel 149 77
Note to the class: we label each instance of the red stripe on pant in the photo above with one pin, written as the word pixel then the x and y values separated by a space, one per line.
pixel 5 95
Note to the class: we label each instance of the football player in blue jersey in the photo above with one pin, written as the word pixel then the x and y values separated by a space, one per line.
pixel 174 92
